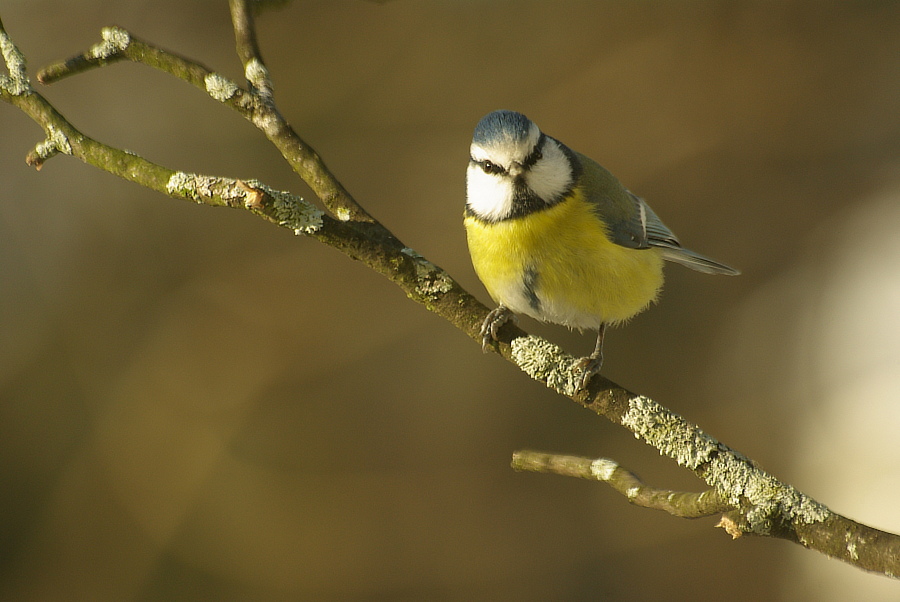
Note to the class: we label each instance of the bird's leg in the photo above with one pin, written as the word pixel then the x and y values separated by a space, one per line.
pixel 493 323
pixel 591 364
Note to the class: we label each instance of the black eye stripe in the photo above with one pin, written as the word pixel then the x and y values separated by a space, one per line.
pixel 488 167
pixel 535 155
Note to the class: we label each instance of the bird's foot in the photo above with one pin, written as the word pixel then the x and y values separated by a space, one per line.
pixel 590 365
pixel 492 325
pixel 586 368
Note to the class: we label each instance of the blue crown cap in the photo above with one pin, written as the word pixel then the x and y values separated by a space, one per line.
pixel 501 126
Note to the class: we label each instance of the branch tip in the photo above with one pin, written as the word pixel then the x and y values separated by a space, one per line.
pixel 55 143
pixel 115 42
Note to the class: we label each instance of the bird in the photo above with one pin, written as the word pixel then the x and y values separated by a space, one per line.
pixel 555 236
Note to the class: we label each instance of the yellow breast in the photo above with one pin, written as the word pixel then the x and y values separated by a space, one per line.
pixel 558 265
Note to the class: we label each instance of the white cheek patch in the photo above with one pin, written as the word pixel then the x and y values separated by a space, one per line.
pixel 489 196
pixel 551 176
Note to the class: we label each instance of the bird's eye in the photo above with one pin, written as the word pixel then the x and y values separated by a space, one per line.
pixel 491 168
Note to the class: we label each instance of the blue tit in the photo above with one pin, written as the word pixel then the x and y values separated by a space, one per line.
pixel 555 236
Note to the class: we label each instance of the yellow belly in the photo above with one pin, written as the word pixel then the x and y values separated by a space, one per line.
pixel 559 266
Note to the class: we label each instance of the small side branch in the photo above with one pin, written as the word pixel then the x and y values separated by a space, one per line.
pixel 677 503
pixel 109 50
pixel 247 48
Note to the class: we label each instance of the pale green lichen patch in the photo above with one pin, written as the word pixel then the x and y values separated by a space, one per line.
pixel 668 432
pixel 201 188
pixel 17 82
pixel 178 182
pixel 59 140
pixel 431 281
pixel 256 73
pixel 603 468
pixel 735 477
pixel 342 213
pixel 291 210
pixel 732 475
pixel 219 87
pixel 56 142
pixel 544 361
pixel 115 40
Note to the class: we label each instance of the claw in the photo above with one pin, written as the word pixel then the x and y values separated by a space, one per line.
pixel 492 325
pixel 588 367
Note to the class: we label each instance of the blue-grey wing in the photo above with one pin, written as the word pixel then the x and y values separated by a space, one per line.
pixel 631 223
pixel 651 232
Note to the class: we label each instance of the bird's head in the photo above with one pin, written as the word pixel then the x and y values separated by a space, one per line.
pixel 515 169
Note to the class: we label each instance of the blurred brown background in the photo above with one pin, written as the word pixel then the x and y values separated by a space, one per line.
pixel 197 405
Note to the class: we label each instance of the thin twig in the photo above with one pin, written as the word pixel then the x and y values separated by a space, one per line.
pixel 247 48
pixel 678 503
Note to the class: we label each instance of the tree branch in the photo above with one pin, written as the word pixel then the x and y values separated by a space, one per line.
pixel 760 503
